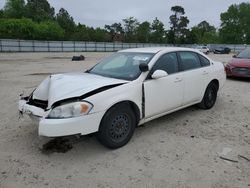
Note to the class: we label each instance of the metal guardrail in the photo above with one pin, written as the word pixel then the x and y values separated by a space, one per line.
pixel 15 45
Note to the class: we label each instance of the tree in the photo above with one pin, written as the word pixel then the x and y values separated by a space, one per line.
pixel 178 24
pixel 204 33
pixel 204 26
pixel 17 28
pixel 158 31
pixel 115 30
pixel 98 35
pixel 143 32
pixel 81 33
pixel 49 30
pixel 27 29
pixel 130 28
pixel 14 9
pixel 39 10
pixel 66 22
pixel 1 14
pixel 235 24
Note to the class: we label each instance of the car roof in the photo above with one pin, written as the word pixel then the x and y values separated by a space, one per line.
pixel 157 49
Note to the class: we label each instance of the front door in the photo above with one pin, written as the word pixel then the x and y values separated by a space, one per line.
pixel 164 94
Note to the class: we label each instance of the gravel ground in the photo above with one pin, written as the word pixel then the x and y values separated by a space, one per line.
pixel 183 149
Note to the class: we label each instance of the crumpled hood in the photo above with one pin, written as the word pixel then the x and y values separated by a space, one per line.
pixel 64 86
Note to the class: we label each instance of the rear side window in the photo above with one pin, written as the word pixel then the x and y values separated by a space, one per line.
pixel 189 60
pixel 204 61
pixel 167 62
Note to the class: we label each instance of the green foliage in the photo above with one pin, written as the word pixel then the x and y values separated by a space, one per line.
pixel 158 32
pixel 178 22
pixel 84 33
pixel 17 28
pixel 130 28
pixel 1 14
pixel 39 10
pixel 81 33
pixel 143 32
pixel 98 34
pixel 49 30
pixel 14 9
pixel 115 31
pixel 235 26
pixel 27 29
pixel 204 33
pixel 66 22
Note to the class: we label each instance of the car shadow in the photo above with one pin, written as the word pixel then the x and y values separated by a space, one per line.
pixel 239 79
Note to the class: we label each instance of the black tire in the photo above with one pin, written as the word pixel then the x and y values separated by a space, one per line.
pixel 209 97
pixel 117 126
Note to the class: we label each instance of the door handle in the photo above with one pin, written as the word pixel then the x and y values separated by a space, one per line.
pixel 177 80
pixel 204 73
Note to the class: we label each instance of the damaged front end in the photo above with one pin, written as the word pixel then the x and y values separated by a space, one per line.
pixel 35 105
pixel 59 104
pixel 35 109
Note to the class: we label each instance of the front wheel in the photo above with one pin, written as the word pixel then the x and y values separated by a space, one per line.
pixel 117 126
pixel 210 97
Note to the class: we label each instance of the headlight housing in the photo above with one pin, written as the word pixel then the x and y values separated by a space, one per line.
pixel 70 110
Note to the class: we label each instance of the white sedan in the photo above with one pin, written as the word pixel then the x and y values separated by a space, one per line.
pixel 203 49
pixel 124 90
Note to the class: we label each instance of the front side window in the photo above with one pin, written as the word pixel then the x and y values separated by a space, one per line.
pixel 189 60
pixel 122 65
pixel 167 62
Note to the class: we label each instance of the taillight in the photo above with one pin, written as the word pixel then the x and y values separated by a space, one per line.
pixel 225 68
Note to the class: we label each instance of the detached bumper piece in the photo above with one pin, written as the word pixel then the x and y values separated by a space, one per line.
pixel 28 109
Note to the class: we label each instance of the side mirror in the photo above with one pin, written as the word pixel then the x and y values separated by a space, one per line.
pixel 143 67
pixel 159 74
pixel 234 56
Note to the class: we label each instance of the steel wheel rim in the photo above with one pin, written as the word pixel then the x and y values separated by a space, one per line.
pixel 210 98
pixel 119 127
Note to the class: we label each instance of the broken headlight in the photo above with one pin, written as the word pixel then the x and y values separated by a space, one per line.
pixel 70 110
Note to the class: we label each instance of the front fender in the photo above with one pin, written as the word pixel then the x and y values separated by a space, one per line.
pixel 128 92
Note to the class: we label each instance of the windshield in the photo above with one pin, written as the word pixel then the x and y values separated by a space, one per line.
pixel 244 54
pixel 122 65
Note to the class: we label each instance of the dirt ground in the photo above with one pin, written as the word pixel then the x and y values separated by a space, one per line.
pixel 180 150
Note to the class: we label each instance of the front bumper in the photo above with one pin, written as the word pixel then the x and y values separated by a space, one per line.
pixel 82 125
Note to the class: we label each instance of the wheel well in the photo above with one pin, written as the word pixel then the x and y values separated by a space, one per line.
pixel 216 83
pixel 133 106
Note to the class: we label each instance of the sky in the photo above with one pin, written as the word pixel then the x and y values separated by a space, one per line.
pixel 97 13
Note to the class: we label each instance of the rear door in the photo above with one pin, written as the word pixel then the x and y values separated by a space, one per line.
pixel 196 72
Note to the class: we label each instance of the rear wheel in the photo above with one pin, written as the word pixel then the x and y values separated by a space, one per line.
pixel 210 97
pixel 117 126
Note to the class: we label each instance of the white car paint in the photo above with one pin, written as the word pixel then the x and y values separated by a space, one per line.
pixel 162 96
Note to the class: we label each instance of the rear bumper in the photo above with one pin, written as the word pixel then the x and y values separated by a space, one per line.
pixel 61 127
pixel 237 75
pixel 231 73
